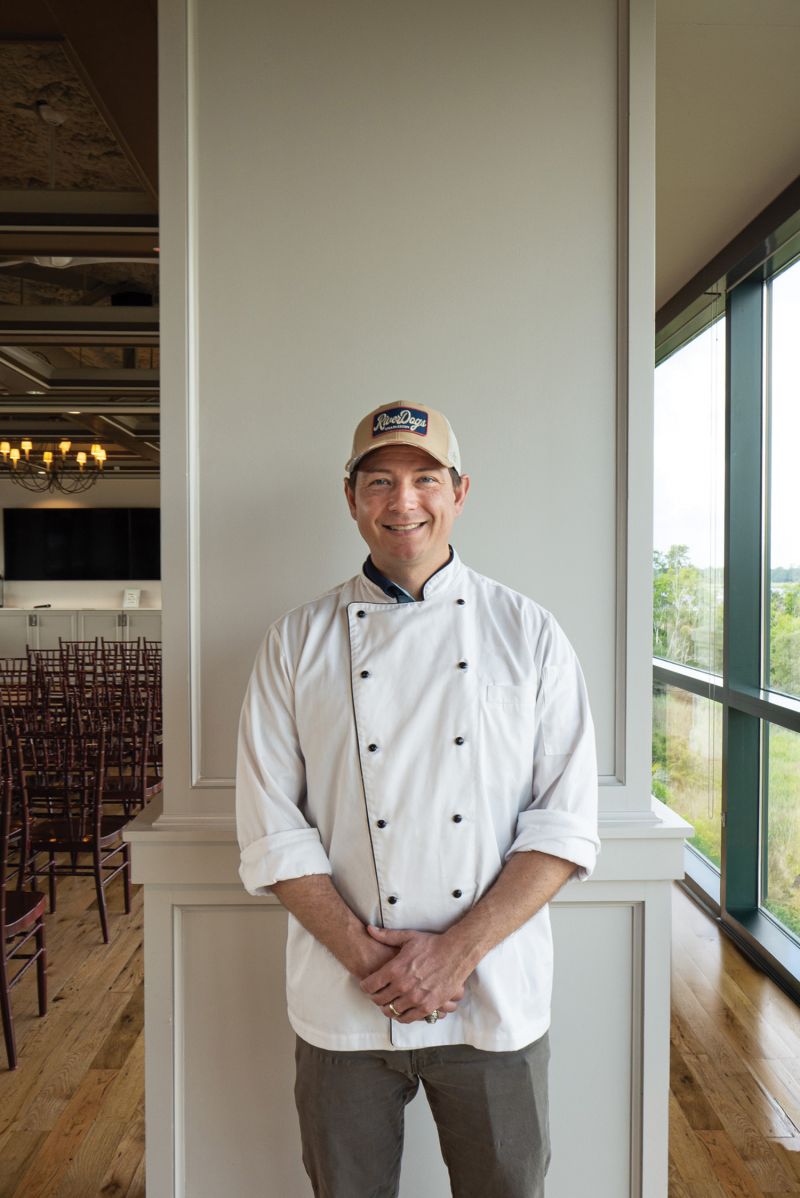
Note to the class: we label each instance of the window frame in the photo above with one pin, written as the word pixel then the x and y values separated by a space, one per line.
pixel 738 277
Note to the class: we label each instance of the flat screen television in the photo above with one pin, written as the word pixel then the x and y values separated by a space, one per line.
pixel 77 544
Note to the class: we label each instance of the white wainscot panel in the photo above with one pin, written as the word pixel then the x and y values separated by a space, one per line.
pixel 235 1113
pixel 238 1124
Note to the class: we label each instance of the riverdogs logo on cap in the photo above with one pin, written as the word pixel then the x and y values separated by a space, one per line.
pixel 410 420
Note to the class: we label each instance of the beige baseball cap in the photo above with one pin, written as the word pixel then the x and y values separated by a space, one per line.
pixel 396 424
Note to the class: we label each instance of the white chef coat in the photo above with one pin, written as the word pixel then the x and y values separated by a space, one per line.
pixel 408 749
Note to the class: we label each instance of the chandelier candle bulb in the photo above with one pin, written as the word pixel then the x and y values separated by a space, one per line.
pixel 81 459
pixel 26 447
pixel 65 447
pixel 4 449
pixel 47 458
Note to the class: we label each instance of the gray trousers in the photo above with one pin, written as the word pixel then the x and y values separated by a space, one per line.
pixel 490 1110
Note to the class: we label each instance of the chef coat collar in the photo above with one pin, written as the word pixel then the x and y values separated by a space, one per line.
pixel 437 580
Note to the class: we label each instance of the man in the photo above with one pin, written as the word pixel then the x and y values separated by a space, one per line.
pixel 416 780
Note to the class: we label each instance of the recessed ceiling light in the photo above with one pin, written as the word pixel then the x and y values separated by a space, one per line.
pixel 34 393
pixel 73 413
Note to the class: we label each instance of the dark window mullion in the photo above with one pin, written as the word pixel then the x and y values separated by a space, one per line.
pixel 743 567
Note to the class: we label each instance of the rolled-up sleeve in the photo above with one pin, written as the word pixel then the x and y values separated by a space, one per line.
pixel 562 817
pixel 275 840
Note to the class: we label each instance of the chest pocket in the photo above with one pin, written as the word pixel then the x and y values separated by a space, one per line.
pixel 516 698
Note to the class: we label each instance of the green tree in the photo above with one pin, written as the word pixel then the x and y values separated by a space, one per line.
pixel 784 640
pixel 676 604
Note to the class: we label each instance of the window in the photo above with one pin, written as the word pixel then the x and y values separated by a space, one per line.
pixel 687 763
pixel 726 585
pixel 782 658
pixel 688 503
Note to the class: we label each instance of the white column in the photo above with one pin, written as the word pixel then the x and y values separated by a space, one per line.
pixel 364 202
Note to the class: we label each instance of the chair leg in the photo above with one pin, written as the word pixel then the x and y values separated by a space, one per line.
pixel 41 968
pixel 51 878
pixel 101 895
pixel 126 877
pixel 5 1004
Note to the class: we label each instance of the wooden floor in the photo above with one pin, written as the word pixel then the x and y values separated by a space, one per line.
pixel 735 1077
pixel 72 1116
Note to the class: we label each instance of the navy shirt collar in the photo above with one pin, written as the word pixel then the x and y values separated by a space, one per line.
pixel 393 589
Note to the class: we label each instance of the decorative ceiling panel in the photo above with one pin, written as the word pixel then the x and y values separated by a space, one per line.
pixel 53 134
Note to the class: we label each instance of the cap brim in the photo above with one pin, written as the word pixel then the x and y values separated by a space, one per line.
pixel 397 437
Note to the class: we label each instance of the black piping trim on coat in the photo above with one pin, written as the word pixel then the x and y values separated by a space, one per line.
pixel 361 771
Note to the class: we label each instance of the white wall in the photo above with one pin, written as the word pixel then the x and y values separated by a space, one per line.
pixel 109 492
pixel 390 203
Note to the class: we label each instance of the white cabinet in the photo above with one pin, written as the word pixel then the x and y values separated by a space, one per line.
pixel 141 622
pixel 52 624
pixel 41 629
pixel 100 623
pixel 15 633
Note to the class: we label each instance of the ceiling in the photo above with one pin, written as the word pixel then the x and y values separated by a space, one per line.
pixel 727 134
pixel 79 291
pixel 79 318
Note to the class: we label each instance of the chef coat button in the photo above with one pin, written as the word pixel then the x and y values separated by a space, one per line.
pixel 459 740
pixel 457 819
pixel 392 899
pixel 365 673
pixel 361 614
pixel 381 823
pixel 372 748
pixel 460 602
pixel 457 893
pixel 462 665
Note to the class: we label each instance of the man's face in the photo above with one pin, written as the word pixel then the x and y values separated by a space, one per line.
pixel 404 504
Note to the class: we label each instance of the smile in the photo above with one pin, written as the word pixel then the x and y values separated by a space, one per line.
pixel 404 527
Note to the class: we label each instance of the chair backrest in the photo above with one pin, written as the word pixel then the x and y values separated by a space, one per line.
pixel 5 826
pixel 61 777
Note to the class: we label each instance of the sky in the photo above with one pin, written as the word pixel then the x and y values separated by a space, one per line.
pixel 690 437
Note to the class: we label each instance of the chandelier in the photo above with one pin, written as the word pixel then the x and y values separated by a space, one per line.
pixel 54 469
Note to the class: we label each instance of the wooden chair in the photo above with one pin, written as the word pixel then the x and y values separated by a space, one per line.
pixel 21 922
pixel 62 780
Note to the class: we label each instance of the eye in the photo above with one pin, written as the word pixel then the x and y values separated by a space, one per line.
pixel 428 478
pixel 379 482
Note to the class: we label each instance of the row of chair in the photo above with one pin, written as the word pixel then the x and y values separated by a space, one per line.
pixel 80 734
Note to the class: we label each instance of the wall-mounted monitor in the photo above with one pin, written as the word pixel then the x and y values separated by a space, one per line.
pixel 77 544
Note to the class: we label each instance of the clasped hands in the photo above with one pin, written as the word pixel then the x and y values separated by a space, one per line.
pixel 425 973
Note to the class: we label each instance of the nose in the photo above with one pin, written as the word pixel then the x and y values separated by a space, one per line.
pixel 404 497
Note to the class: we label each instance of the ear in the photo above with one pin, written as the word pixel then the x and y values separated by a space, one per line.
pixel 461 493
pixel 350 497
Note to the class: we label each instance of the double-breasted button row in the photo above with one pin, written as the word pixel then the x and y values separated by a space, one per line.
pixel 393 899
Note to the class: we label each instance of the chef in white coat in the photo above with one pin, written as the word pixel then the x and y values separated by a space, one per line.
pixel 416 780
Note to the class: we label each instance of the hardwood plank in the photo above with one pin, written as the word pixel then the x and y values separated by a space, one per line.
pixel 136 1188
pixel 91 1162
pixel 125 1176
pixel 729 1169
pixel 788 1152
pixel 690 1095
pixel 125 1098
pixel 46 1171
pixel 782 1079
pixel 114 1051
pixel 17 1150
pixel 740 1101
pixel 689 1159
